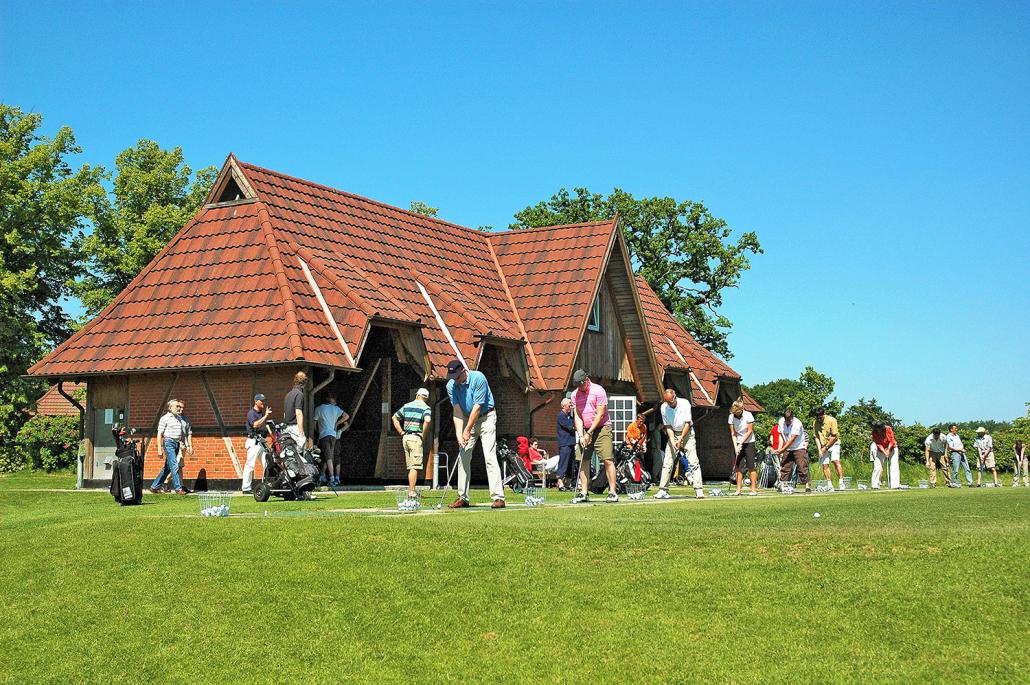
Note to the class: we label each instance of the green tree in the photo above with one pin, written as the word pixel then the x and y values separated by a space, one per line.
pixel 420 207
pixel 868 412
pixel 44 206
pixel 812 389
pixel 683 252
pixel 153 198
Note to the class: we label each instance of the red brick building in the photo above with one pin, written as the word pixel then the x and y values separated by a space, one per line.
pixel 276 274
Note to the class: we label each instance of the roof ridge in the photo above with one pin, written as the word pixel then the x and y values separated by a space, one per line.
pixel 124 293
pixel 285 294
pixel 512 231
pixel 518 319
pixel 355 196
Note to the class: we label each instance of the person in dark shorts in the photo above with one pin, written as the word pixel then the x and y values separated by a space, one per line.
pixel 742 433
pixel 329 419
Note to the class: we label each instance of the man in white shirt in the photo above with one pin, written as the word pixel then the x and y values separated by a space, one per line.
pixel 742 434
pixel 936 448
pixel 329 418
pixel 793 449
pixel 957 455
pixel 677 424
pixel 985 451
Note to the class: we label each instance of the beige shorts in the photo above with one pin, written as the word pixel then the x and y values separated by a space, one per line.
pixel 412 451
pixel 603 443
pixel 989 461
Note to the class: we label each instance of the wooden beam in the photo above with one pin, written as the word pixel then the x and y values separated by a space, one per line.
pixel 221 425
pixel 384 427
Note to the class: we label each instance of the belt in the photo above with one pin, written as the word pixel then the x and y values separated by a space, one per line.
pixel 418 433
pixel 484 413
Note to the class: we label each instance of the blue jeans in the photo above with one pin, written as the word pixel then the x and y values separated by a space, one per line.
pixel 172 466
pixel 957 457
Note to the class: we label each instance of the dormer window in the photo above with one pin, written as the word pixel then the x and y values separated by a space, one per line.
pixel 594 324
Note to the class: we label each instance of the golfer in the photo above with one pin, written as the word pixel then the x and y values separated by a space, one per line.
pixel 793 449
pixel 594 426
pixel 1019 462
pixel 742 434
pixel 412 423
pixel 957 456
pixel 935 453
pixel 474 419
pixel 886 450
pixel 293 411
pixel 173 436
pixel 827 441
pixel 677 423
pixel 566 432
pixel 985 451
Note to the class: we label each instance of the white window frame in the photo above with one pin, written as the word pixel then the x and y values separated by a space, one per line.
pixel 594 322
pixel 623 411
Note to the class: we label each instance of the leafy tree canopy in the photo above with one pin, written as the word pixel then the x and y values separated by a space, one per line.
pixel 422 208
pixel 153 198
pixel 811 390
pixel 44 206
pixel 868 412
pixel 682 251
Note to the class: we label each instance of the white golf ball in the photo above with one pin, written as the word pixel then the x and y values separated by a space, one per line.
pixel 816 515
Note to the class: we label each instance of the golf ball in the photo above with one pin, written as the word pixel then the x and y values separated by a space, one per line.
pixel 816 515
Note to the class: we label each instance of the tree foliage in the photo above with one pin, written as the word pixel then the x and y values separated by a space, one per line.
pixel 869 412
pixel 153 198
pixel 44 206
pixel 420 207
pixel 683 252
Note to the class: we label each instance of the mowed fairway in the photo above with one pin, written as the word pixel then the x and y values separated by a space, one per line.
pixel 918 586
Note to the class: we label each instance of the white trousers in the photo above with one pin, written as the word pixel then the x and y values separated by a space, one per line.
pixel 893 469
pixel 254 449
pixel 694 465
pixel 485 430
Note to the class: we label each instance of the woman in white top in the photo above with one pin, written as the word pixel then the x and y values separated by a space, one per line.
pixel 742 434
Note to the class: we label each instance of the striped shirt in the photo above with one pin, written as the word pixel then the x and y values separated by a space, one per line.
pixel 412 416
pixel 174 427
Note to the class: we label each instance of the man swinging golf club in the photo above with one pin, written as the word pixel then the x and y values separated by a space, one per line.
pixel 474 419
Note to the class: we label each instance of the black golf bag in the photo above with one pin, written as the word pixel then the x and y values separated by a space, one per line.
pixel 519 477
pixel 769 470
pixel 127 474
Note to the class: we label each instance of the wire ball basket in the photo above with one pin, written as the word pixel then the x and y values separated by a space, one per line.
pixel 636 491
pixel 534 497
pixel 215 504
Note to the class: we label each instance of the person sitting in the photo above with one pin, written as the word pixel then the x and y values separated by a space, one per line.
pixel 636 434
pixel 522 449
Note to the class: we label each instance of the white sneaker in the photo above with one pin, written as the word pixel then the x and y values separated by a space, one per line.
pixel 579 498
pixel 699 493
pixel 612 497
pixel 661 494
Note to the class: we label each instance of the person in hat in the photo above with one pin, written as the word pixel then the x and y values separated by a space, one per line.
pixel 594 426
pixel 985 451
pixel 936 449
pixel 257 417
pixel 329 420
pixel 957 456
pixel 412 423
pixel 474 420
pixel 827 441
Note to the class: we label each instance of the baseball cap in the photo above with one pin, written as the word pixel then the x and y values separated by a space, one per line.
pixel 579 376
pixel 259 397
pixel 422 392
pixel 455 368
pixel 981 429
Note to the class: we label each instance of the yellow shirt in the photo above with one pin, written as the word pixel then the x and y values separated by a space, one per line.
pixel 826 429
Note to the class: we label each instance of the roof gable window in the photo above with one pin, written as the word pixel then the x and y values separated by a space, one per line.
pixel 594 323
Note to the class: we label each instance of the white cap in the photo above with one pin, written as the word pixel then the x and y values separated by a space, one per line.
pixel 981 429
pixel 422 392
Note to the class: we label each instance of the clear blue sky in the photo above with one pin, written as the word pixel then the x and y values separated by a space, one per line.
pixel 880 150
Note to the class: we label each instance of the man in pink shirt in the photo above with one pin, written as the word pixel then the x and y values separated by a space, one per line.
pixel 594 427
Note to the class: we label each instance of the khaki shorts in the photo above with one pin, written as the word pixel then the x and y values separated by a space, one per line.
pixel 412 451
pixel 603 443
pixel 989 461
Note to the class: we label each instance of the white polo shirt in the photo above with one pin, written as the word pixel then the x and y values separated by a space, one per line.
pixel 955 442
pixel 984 444
pixel 793 436
pixel 740 426
pixel 936 445
pixel 676 417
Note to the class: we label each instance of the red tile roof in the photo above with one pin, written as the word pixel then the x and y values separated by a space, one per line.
pixel 231 289
pixel 552 274
pixel 52 403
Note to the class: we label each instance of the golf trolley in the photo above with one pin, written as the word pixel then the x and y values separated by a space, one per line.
pixel 290 472
pixel 629 471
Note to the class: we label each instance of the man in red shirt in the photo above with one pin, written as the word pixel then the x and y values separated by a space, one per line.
pixel 886 450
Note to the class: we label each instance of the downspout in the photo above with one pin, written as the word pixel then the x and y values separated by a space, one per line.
pixel 82 431
pixel 327 381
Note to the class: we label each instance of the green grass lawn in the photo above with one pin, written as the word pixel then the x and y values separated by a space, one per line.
pixel 917 586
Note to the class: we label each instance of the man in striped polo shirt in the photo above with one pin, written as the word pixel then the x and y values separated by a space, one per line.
pixel 173 434
pixel 412 423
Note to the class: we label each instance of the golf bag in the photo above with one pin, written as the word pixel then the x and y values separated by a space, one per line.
pixel 518 477
pixel 291 472
pixel 628 469
pixel 769 471
pixel 127 474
